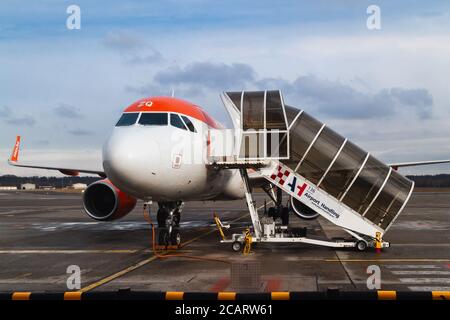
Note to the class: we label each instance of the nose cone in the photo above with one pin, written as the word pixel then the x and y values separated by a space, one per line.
pixel 130 157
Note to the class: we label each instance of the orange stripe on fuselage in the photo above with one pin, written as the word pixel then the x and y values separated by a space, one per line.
pixel 168 104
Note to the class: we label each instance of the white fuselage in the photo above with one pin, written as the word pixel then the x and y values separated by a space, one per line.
pixel 165 163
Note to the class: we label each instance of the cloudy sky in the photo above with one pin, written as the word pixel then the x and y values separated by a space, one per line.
pixel 63 90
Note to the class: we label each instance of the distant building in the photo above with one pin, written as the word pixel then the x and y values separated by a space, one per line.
pixel 27 186
pixel 8 188
pixel 47 187
pixel 78 186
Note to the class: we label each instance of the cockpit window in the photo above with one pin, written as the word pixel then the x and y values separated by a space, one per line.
pixel 176 121
pixel 127 119
pixel 153 119
pixel 189 123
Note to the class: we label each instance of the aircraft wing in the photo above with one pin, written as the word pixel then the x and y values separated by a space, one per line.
pixel 13 160
pixel 417 163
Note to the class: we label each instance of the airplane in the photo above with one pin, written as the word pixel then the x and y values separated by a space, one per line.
pixel 141 160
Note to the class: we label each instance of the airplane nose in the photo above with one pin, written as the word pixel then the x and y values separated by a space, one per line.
pixel 129 157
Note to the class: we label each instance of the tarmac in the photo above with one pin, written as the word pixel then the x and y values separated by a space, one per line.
pixel 43 233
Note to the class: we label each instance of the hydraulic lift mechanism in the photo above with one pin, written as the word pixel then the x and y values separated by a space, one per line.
pixel 324 173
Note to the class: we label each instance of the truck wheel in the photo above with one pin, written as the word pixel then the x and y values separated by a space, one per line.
pixel 236 246
pixel 361 246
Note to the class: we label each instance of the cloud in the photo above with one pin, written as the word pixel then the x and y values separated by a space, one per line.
pixel 208 75
pixel 25 120
pixel 121 41
pixel 148 90
pixel 80 132
pixel 9 118
pixel 342 101
pixel 326 97
pixel 132 48
pixel 41 143
pixel 67 111
pixel 151 56
pixel 5 112
pixel 332 98
pixel 419 99
pixel 197 79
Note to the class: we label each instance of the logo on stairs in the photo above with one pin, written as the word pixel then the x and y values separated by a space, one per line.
pixel 280 176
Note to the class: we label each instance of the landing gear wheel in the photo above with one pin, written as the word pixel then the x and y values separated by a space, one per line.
pixel 272 213
pixel 175 237
pixel 361 246
pixel 163 237
pixel 236 246
pixel 176 218
pixel 285 216
pixel 161 216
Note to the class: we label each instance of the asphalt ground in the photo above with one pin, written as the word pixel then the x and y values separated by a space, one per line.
pixel 42 233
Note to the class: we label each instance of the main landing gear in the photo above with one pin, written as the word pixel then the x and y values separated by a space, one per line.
pixel 168 217
pixel 278 211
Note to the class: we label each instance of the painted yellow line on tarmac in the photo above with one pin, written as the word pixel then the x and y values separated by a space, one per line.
pixel 118 274
pixel 387 260
pixel 153 258
pixel 214 230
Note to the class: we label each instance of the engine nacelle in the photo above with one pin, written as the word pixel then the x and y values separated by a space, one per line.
pixel 302 210
pixel 104 202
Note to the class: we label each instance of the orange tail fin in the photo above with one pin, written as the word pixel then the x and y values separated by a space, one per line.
pixel 15 153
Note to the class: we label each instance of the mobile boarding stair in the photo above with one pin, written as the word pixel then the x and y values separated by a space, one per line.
pixel 311 163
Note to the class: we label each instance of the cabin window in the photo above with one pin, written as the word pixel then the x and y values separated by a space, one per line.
pixel 127 119
pixel 153 119
pixel 176 121
pixel 189 123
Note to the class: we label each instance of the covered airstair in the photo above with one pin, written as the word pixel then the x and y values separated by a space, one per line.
pixel 311 163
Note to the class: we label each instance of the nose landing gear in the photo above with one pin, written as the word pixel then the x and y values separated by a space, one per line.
pixel 166 238
pixel 168 217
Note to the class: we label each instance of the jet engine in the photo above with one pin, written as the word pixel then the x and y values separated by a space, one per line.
pixel 302 210
pixel 104 202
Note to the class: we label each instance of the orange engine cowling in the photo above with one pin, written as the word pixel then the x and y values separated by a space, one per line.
pixel 103 201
